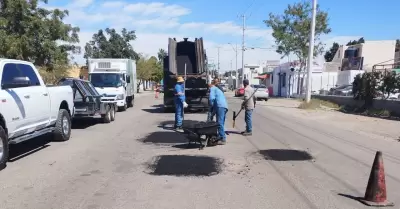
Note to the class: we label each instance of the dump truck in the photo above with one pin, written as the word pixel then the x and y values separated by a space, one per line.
pixel 187 59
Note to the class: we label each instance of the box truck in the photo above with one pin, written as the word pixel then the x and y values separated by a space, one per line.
pixel 114 79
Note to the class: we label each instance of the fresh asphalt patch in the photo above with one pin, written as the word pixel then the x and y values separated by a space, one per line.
pixel 285 155
pixel 164 138
pixel 185 166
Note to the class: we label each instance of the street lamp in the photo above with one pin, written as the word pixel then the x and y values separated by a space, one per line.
pixel 311 50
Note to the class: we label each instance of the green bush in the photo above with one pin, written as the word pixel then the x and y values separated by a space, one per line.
pixel 371 85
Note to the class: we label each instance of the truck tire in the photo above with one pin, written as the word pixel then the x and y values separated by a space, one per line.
pixel 107 117
pixel 62 131
pixel 130 101
pixel 122 109
pixel 3 148
pixel 112 112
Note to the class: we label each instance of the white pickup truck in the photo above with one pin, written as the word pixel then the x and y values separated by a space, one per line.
pixel 28 108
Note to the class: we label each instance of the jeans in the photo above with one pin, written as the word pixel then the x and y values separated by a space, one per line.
pixel 247 119
pixel 221 115
pixel 178 113
pixel 210 114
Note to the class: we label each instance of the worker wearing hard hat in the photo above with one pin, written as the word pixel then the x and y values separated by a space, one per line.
pixel 179 101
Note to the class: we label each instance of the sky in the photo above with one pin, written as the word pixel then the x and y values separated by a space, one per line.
pixel 219 23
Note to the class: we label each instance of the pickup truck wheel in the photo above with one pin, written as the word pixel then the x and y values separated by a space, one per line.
pixel 107 117
pixel 3 148
pixel 112 113
pixel 62 131
pixel 123 108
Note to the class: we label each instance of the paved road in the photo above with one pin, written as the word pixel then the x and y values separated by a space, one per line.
pixel 135 162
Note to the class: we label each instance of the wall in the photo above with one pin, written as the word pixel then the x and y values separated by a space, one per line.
pixel 390 105
pixel 347 77
pixel 375 52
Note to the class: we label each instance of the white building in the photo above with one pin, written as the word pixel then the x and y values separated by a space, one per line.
pixel 250 73
pixel 287 81
pixel 269 65
pixel 350 61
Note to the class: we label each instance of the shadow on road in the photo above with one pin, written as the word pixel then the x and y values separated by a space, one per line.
pixel 84 123
pixel 164 137
pixel 187 146
pixel 169 124
pixel 285 155
pixel 350 196
pixel 233 132
pixel 162 109
pixel 372 113
pixel 185 165
pixel 157 110
pixel 24 149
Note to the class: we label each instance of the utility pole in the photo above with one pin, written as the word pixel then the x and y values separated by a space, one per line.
pixel 218 61
pixel 311 51
pixel 243 16
pixel 237 69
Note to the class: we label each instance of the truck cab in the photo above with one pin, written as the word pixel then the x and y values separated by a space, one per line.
pixel 114 80
pixel 29 108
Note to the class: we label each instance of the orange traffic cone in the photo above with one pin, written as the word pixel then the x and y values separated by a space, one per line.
pixel 375 194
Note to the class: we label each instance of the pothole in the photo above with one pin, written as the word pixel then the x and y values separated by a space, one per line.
pixel 185 165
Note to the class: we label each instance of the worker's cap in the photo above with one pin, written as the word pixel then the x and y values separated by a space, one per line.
pixel 179 79
pixel 245 82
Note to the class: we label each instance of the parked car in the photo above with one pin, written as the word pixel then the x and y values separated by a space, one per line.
pixel 29 108
pixel 239 92
pixel 224 87
pixel 88 102
pixel 346 91
pixel 336 90
pixel 262 92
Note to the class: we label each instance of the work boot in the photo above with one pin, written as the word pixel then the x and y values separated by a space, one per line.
pixel 178 129
pixel 245 133
pixel 221 143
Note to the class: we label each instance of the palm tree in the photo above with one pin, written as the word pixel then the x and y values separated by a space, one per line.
pixel 161 54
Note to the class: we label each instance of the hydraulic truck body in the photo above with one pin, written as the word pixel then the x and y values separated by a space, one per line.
pixel 187 59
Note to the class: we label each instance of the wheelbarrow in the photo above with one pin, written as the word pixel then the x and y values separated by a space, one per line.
pixel 203 133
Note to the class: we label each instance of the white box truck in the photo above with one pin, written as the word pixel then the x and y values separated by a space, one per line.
pixel 114 78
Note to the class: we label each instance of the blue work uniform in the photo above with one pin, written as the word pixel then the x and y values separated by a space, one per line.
pixel 220 106
pixel 179 99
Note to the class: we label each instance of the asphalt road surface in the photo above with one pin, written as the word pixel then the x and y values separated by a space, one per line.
pixel 137 162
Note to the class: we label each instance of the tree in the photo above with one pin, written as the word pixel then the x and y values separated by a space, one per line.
pixel 161 55
pixel 111 44
pixel 148 69
pixel 291 30
pixel 330 54
pixel 354 42
pixel 35 34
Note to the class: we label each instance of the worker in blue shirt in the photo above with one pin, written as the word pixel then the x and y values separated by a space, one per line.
pixel 220 106
pixel 179 100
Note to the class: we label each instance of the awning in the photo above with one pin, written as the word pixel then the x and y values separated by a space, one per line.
pixel 265 76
